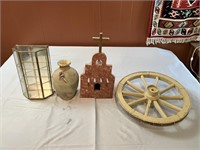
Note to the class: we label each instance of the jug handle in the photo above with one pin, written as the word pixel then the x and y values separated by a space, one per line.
pixel 62 77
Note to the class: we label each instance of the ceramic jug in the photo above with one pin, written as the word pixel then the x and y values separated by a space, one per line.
pixel 65 80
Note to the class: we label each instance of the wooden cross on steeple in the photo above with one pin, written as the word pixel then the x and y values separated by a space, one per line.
pixel 100 38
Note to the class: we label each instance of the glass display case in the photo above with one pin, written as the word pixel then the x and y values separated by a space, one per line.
pixel 34 70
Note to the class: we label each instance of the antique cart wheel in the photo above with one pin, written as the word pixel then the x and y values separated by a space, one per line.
pixel 153 97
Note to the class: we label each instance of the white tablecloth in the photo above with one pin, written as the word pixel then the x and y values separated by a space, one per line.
pixel 89 124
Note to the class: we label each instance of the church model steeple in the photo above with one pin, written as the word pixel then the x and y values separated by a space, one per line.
pixel 97 81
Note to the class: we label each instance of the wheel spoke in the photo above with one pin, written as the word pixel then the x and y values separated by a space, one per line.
pixel 156 81
pixel 168 97
pixel 167 88
pixel 135 87
pixel 137 101
pixel 162 102
pixel 147 108
pixel 129 93
pixel 159 109
pixel 144 82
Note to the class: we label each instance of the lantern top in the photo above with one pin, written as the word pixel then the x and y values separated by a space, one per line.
pixel 29 48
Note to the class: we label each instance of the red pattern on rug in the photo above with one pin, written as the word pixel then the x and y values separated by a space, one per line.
pixel 174 21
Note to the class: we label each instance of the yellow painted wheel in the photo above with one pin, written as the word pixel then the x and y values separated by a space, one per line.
pixel 153 97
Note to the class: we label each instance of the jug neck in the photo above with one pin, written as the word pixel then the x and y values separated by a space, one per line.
pixel 64 64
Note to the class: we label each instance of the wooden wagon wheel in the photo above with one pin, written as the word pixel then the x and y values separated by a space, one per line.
pixel 153 97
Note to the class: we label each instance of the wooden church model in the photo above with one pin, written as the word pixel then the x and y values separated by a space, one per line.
pixel 97 81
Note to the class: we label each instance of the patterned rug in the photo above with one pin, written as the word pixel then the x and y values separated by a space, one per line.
pixel 174 21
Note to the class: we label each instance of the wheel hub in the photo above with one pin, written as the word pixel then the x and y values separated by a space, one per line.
pixel 152 93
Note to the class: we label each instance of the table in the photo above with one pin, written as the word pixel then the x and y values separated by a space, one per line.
pixel 95 124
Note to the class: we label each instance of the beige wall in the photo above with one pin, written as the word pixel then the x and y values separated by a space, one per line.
pixel 74 23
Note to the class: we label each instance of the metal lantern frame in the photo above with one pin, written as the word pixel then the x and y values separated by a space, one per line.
pixel 34 70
